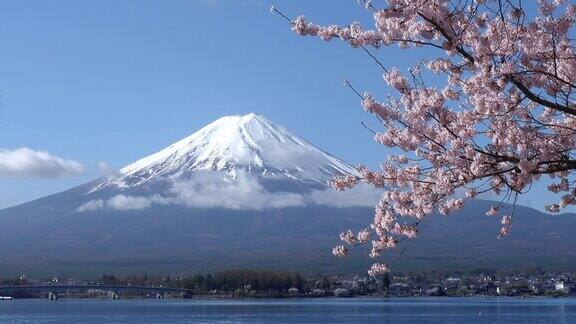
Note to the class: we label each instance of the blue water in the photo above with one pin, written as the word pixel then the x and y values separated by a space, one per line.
pixel 329 310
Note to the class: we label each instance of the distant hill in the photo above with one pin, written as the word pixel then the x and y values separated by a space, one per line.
pixel 242 193
pixel 172 239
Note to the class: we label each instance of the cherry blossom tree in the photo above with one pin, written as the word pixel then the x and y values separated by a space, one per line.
pixel 500 118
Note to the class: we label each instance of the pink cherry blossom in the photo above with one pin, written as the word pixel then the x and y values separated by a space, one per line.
pixel 340 251
pixel 504 231
pixel 348 237
pixel 344 182
pixel 378 269
pixel 364 235
pixel 381 244
pixel 490 107
pixel 492 211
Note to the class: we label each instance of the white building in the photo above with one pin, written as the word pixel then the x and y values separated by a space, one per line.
pixel 561 287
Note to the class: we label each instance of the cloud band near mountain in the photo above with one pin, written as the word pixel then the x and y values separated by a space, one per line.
pixel 243 193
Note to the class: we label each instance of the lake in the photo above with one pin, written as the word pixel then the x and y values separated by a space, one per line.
pixel 326 310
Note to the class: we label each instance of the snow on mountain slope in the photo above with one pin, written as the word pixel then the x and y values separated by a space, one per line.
pixel 249 144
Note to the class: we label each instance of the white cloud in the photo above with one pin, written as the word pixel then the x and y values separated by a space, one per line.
pixel 92 205
pixel 208 190
pixel 122 202
pixel 27 163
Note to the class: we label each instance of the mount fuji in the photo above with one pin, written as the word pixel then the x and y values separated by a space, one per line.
pixel 236 162
pixel 232 144
pixel 245 192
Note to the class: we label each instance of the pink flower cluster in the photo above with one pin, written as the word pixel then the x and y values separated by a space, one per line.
pixel 492 211
pixel 498 116
pixel 340 251
pixel 505 230
pixel 348 237
pixel 344 182
pixel 364 235
pixel 378 269
pixel 381 244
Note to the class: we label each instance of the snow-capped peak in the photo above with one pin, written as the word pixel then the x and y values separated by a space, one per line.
pixel 250 143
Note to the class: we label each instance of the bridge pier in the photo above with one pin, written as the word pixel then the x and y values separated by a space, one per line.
pixel 52 296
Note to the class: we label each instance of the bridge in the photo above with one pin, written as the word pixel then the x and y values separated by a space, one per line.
pixel 113 290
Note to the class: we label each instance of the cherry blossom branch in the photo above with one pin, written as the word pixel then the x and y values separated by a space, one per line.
pixel 541 100
pixel 504 117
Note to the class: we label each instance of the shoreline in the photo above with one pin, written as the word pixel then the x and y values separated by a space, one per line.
pixel 232 298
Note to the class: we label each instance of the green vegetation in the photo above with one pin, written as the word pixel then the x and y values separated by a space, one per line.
pixel 244 282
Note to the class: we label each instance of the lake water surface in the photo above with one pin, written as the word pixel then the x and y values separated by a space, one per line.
pixel 328 310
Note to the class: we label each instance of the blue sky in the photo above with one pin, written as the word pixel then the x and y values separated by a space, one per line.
pixel 112 81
